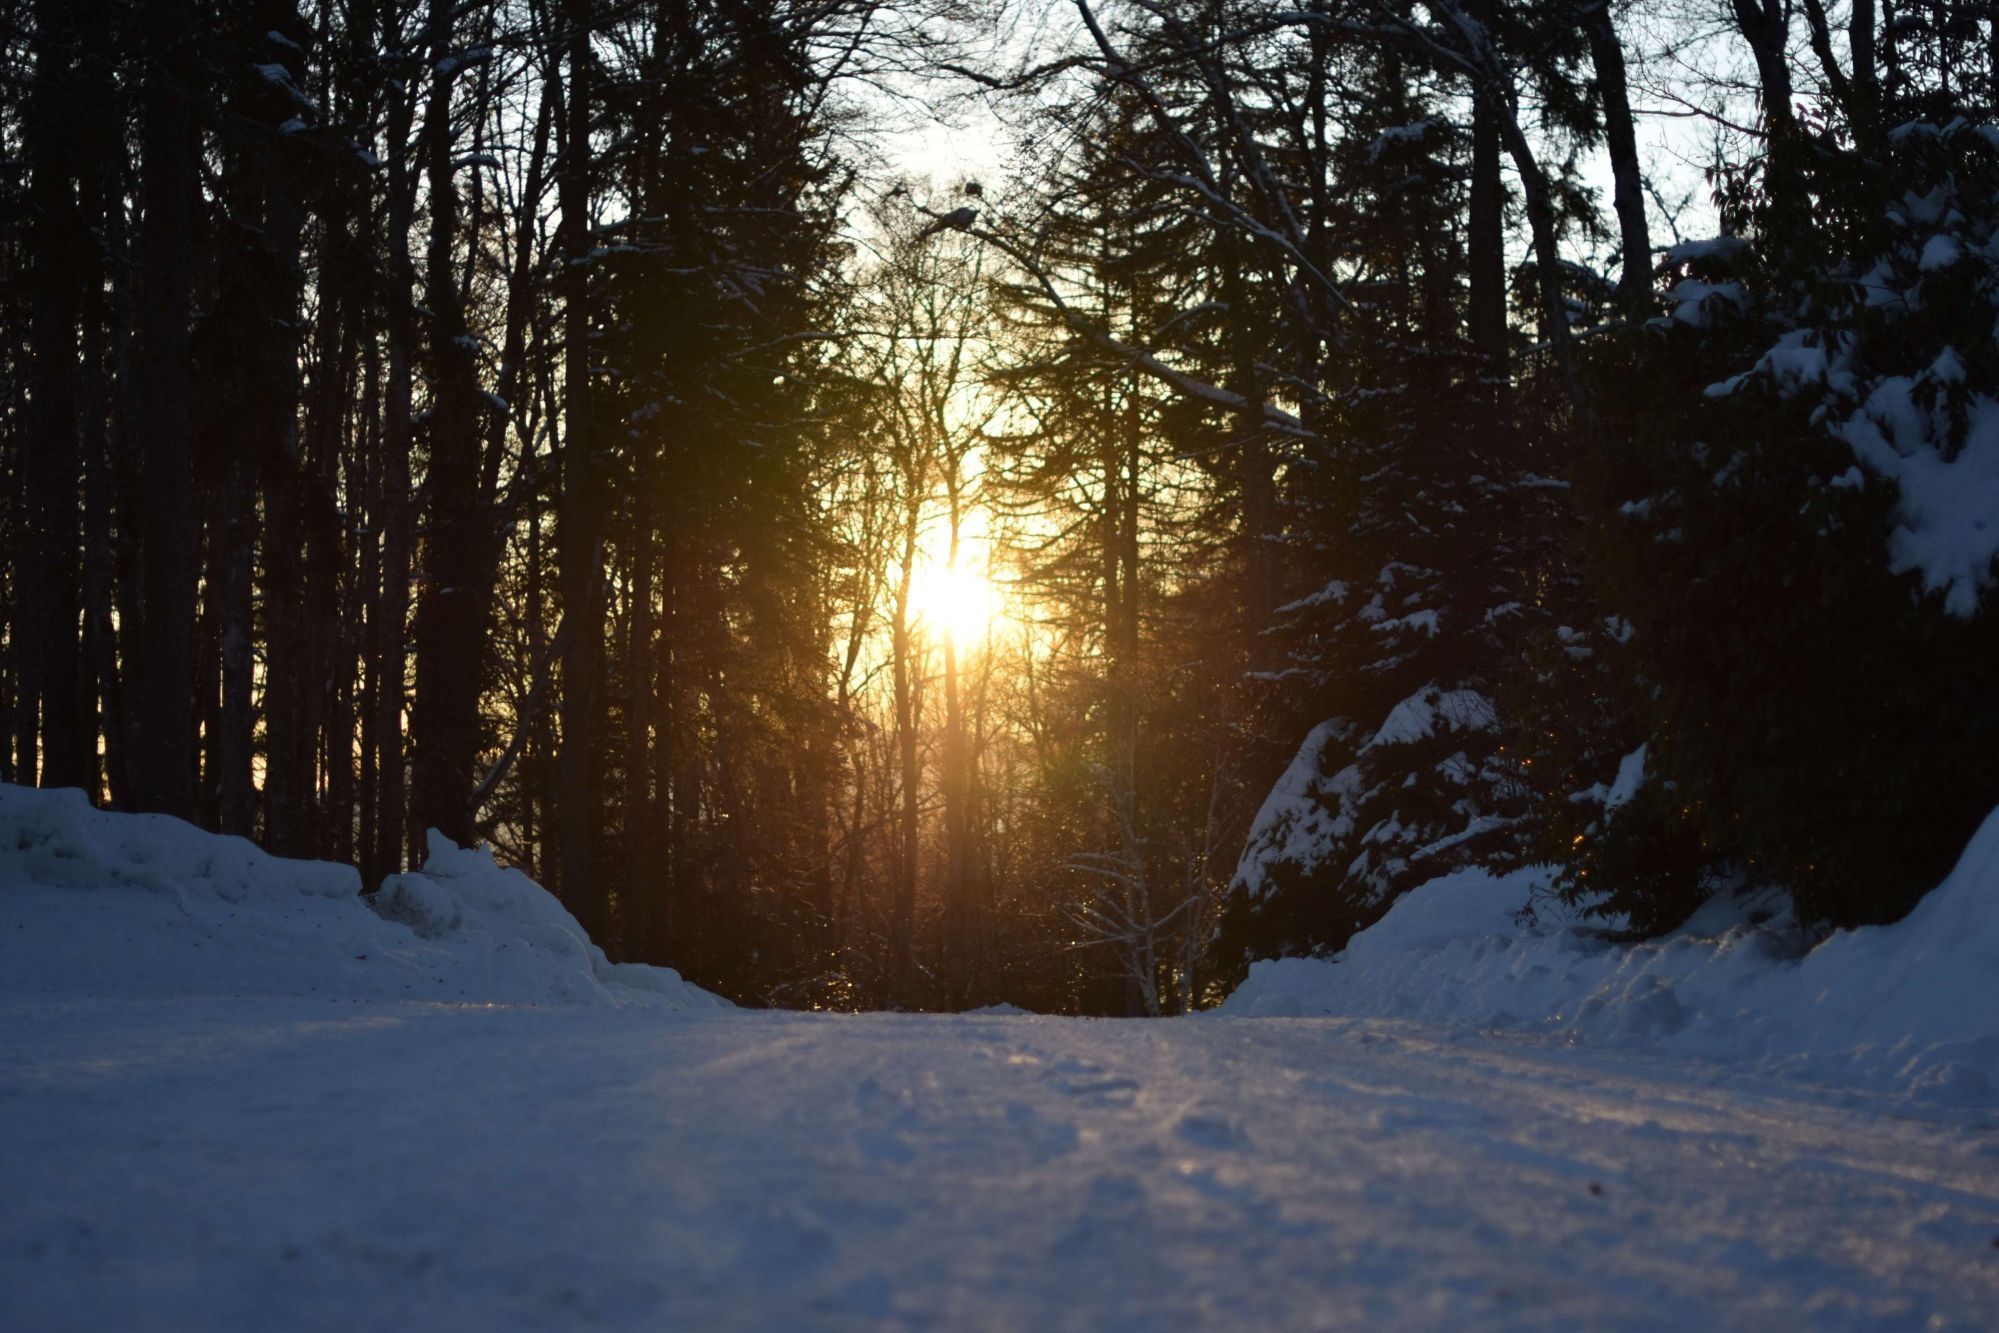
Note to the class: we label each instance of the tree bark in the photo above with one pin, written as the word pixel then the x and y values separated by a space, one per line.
pixel 1555 330
pixel 956 764
pixel 1634 288
pixel 641 880
pixel 902 919
pixel 52 715
pixel 289 679
pixel 1765 25
pixel 102 182
pixel 163 754
pixel 391 618
pixel 1860 41
pixel 460 539
pixel 580 522
pixel 1485 237
pixel 233 542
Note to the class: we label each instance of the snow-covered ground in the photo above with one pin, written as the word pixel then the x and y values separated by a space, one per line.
pixel 301 1165
pixel 214 1115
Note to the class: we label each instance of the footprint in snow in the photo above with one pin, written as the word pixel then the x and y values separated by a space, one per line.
pixel 1226 1185
pixel 869 1297
pixel 884 1145
pixel 1211 1131
pixel 1114 1206
pixel 1082 1078
pixel 1046 1139
pixel 782 1247
pixel 873 1099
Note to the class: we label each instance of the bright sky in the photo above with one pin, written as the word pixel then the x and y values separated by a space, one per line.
pixel 967 140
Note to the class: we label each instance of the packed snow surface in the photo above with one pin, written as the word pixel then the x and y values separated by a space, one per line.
pixel 298 1164
pixel 214 1116
pixel 1911 1008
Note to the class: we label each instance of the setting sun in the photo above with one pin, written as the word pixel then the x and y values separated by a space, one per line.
pixel 959 601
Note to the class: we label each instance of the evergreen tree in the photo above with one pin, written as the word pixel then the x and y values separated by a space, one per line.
pixel 1783 524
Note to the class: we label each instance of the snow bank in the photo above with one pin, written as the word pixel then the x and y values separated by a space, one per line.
pixel 1913 1006
pixel 100 904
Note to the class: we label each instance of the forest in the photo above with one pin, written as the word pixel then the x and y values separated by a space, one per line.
pixel 1250 460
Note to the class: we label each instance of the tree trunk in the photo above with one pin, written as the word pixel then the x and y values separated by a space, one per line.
pixel 1860 40
pixel 233 537
pixel 332 605
pixel 163 753
pixel 580 524
pixel 368 593
pixel 956 763
pixel 1634 288
pixel 1765 25
pixel 52 715
pixel 641 880
pixel 1555 330
pixel 902 919
pixel 1485 238
pixel 459 547
pixel 121 478
pixel 290 681
pixel 104 151
pixel 252 328
pixel 391 619
pixel 1122 476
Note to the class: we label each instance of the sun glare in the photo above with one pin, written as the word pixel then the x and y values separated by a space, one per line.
pixel 960 602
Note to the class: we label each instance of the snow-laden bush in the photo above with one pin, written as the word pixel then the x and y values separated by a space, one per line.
pixel 1912 1006
pixel 1893 353
pixel 1793 508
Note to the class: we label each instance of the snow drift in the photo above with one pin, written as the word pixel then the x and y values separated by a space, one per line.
pixel 100 904
pixel 1912 1006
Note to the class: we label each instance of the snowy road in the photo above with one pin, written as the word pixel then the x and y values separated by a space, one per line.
pixel 278 1164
